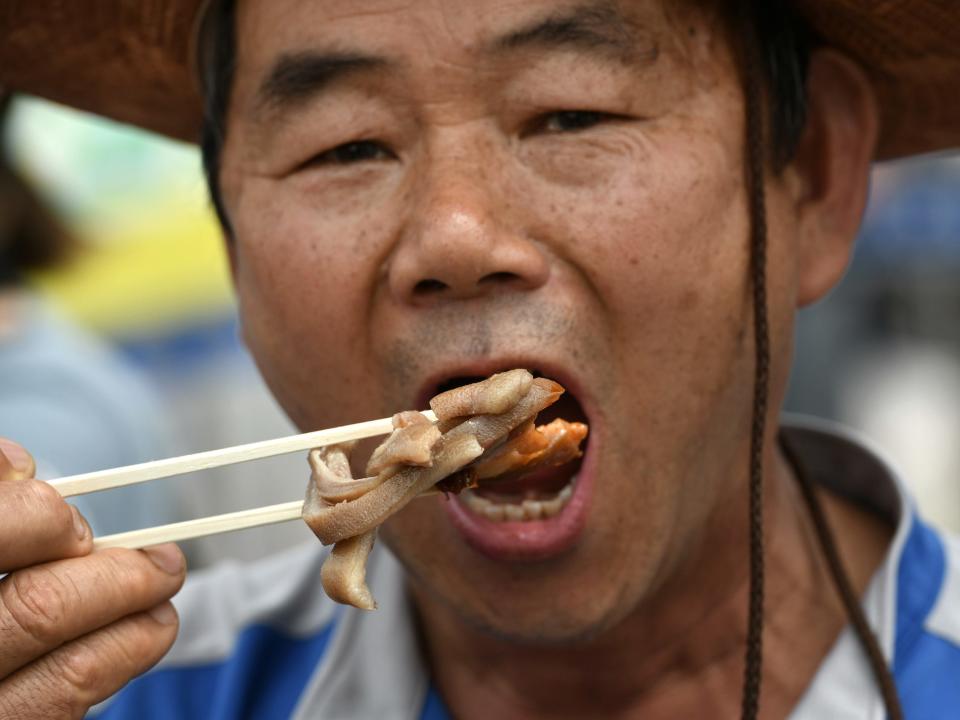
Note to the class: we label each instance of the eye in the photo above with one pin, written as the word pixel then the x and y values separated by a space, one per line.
pixel 352 152
pixel 568 121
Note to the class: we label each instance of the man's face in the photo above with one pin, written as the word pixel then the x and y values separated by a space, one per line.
pixel 427 191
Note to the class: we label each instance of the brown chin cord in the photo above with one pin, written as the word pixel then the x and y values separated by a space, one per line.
pixel 755 167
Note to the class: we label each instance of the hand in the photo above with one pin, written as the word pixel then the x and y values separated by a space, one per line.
pixel 75 626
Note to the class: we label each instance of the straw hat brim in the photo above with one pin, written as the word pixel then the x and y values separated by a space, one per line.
pixel 133 61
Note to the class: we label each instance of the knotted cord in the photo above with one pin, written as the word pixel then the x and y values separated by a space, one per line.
pixel 755 153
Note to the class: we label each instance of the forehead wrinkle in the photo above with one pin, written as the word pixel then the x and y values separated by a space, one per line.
pixel 596 27
pixel 593 27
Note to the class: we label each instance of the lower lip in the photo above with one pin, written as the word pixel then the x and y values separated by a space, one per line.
pixel 535 539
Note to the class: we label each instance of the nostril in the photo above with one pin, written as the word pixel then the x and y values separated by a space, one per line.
pixel 498 278
pixel 429 287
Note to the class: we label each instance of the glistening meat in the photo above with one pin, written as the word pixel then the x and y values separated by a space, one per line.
pixel 485 432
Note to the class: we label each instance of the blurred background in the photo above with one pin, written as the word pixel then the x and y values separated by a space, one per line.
pixel 126 330
pixel 140 352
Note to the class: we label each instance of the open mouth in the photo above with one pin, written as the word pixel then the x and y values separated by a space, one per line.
pixel 525 515
pixel 484 431
pixel 527 496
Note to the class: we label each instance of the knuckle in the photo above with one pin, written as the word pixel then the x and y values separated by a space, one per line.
pixel 86 670
pixel 80 669
pixel 38 601
pixel 136 640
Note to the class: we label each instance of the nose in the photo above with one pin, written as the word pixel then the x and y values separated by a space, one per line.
pixel 460 243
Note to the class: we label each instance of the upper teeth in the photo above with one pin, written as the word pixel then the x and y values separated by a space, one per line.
pixel 519 509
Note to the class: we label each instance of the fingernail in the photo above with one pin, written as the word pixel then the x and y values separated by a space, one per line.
pixel 164 614
pixel 79 525
pixel 18 457
pixel 166 557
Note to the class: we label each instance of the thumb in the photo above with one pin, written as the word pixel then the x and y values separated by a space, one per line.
pixel 15 462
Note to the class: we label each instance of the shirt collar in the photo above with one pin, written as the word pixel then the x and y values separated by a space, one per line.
pixel 902 590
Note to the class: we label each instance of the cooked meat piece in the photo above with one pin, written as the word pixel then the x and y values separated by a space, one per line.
pixel 337 458
pixel 411 443
pixel 564 440
pixel 527 449
pixel 406 418
pixel 344 572
pixel 491 421
pixel 491 429
pixel 331 474
pixel 331 523
pixel 546 445
pixel 493 396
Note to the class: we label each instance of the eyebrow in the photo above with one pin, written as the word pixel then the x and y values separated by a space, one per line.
pixel 596 27
pixel 297 77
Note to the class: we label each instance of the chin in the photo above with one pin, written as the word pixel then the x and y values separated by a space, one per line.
pixel 567 599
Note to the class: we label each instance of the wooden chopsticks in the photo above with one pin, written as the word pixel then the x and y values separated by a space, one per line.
pixel 143 472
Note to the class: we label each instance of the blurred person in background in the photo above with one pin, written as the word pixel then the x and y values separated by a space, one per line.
pixel 64 392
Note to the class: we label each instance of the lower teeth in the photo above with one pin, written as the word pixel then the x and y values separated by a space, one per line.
pixel 519 510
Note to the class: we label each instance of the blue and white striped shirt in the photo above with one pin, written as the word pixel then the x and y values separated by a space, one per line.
pixel 262 641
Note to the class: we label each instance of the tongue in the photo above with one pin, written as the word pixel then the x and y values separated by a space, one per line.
pixel 545 482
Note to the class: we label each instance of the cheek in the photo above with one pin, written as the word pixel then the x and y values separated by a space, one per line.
pixel 662 241
pixel 302 283
pixel 663 244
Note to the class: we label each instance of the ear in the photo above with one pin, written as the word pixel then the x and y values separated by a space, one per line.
pixel 832 169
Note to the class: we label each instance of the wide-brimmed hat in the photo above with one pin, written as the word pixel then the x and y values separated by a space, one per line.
pixel 134 61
